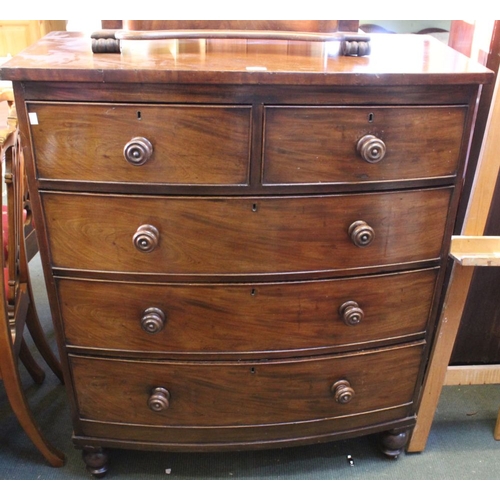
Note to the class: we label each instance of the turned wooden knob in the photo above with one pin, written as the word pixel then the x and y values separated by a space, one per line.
pixel 342 391
pixel 159 399
pixel 138 151
pixel 355 48
pixel 351 313
pixel 371 148
pixel 361 233
pixel 153 320
pixel 146 238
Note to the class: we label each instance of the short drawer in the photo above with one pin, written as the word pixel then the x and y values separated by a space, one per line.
pixel 207 145
pixel 260 318
pixel 240 236
pixel 313 145
pixel 244 393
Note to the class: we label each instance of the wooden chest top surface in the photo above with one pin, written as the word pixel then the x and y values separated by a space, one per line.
pixel 395 59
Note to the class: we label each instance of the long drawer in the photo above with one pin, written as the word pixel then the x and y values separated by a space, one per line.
pixel 244 393
pixel 314 145
pixel 261 319
pixel 238 236
pixel 130 143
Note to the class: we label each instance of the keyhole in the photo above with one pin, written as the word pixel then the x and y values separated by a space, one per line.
pixel 139 116
pixel 253 293
pixel 252 370
pixel 254 207
pixel 370 118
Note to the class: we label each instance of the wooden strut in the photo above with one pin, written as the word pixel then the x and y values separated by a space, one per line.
pixel 468 250
pixel 109 41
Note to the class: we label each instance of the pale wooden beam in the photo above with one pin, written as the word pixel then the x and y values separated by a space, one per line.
pixel 472 375
pixel 458 287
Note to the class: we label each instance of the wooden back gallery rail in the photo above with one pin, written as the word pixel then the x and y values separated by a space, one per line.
pixel 109 41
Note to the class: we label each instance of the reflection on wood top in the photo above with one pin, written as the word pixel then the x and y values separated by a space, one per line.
pixel 395 59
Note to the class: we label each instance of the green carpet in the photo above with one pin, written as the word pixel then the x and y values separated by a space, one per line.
pixel 460 445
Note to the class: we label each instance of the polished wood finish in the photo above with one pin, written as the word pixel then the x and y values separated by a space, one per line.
pixel 426 62
pixel 241 318
pixel 221 34
pixel 274 279
pixel 306 145
pixel 321 26
pixel 97 138
pixel 280 236
pixel 240 438
pixel 250 393
pixel 111 41
pixel 393 442
pixel 96 459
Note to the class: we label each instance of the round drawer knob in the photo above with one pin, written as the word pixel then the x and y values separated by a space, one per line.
pixel 342 391
pixel 351 313
pixel 361 233
pixel 159 399
pixel 138 151
pixel 371 148
pixel 153 320
pixel 146 238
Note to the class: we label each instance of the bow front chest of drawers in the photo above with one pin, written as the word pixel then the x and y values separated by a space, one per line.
pixel 244 242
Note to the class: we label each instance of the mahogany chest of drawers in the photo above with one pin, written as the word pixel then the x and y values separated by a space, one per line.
pixel 244 242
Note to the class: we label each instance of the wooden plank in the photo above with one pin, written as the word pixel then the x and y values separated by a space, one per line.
pixel 458 287
pixel 486 173
pixel 472 375
pixel 440 356
pixel 476 250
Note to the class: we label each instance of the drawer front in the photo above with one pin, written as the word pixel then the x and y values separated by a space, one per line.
pixel 104 143
pixel 237 236
pixel 254 318
pixel 244 393
pixel 312 145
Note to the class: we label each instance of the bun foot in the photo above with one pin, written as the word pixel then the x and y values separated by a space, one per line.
pixel 96 460
pixel 393 442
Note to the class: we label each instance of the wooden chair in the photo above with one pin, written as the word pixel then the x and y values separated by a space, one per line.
pixel 17 307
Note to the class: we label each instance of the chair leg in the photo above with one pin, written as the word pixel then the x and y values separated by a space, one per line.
pixel 23 413
pixel 36 372
pixel 15 394
pixel 38 336
pixel 36 330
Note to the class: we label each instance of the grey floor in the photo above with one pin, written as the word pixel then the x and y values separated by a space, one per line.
pixel 460 445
